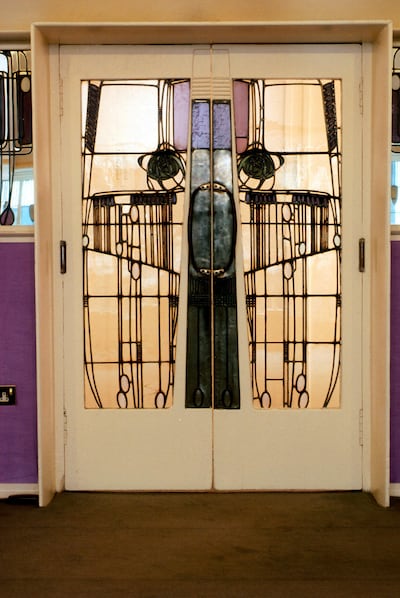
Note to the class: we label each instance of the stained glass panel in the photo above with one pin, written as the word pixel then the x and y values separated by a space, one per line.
pixel 16 167
pixel 288 145
pixel 133 170
pixel 289 168
pixel 212 367
pixel 395 167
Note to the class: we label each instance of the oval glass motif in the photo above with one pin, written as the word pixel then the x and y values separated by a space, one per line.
pixel 122 400
pixel 337 240
pixel 135 270
pixel 227 398
pixel 303 400
pixel 25 84
pixel 198 397
pixel 119 248
pixel 160 400
pixel 265 400
pixel 288 270
pixel 395 82
pixel 200 229
pixel 134 214
pixel 224 229
pixel 85 241
pixel 300 383
pixel 302 248
pixel 124 383
pixel 287 212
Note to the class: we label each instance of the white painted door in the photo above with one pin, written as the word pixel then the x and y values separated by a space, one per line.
pixel 136 227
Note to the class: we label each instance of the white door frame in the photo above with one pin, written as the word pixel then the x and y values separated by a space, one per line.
pixel 269 449
pixel 376 38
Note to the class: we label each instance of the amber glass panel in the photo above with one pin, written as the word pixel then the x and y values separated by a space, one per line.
pixel 289 160
pixel 133 169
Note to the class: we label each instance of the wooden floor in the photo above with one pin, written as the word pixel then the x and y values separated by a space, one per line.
pixel 201 545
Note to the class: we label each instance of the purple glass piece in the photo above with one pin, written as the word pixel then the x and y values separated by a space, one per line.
pixel 181 114
pixel 201 124
pixel 222 125
pixel 241 110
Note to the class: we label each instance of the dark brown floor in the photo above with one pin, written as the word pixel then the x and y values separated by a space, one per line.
pixel 201 545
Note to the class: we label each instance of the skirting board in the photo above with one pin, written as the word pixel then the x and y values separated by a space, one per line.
pixel 394 489
pixel 7 490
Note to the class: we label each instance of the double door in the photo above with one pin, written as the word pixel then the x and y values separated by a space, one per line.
pixel 211 200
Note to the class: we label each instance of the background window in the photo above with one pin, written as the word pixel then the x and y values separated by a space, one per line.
pixel 16 168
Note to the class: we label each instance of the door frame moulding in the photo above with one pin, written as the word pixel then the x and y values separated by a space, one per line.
pixel 376 37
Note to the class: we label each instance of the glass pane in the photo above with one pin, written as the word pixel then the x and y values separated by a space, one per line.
pixel 396 96
pixel 395 178
pixel 395 186
pixel 212 366
pixel 133 169
pixel 16 165
pixel 289 157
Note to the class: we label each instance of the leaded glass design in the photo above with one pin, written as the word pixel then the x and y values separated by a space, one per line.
pixel 396 97
pixel 395 166
pixel 212 374
pixel 133 165
pixel 16 172
pixel 288 174
pixel 288 142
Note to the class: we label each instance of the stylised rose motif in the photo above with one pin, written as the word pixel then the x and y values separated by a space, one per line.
pixel 257 163
pixel 164 164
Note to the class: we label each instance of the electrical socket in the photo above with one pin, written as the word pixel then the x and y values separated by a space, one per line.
pixel 7 395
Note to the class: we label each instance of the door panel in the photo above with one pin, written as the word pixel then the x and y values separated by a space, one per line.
pixel 303 425
pixel 202 359
pixel 125 448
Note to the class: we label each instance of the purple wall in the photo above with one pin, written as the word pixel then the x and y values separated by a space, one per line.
pixel 18 438
pixel 395 366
